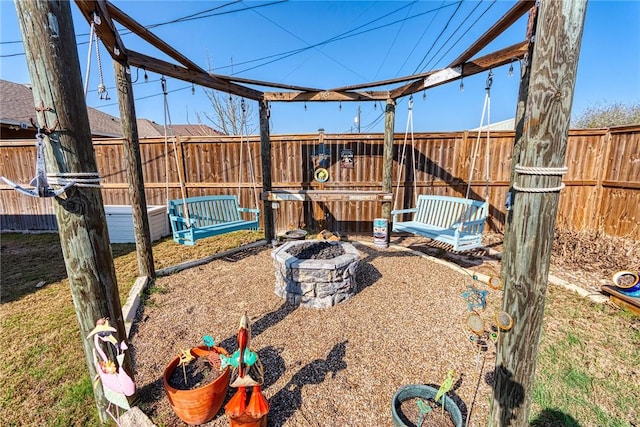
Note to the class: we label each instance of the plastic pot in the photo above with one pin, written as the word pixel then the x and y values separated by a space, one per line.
pixel 425 392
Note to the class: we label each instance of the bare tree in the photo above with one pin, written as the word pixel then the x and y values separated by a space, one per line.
pixel 229 114
pixel 607 115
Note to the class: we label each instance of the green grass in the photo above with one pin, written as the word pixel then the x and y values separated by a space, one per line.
pixel 586 354
pixel 585 360
pixel 44 379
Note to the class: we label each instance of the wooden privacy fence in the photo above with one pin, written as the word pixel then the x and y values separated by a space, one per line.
pixel 602 186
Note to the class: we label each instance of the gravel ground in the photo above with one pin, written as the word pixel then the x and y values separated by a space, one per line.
pixel 343 364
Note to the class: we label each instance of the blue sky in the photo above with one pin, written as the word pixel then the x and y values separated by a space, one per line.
pixel 378 41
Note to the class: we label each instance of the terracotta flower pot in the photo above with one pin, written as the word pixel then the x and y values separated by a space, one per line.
pixel 199 405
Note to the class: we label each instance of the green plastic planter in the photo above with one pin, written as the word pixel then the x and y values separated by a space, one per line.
pixel 424 392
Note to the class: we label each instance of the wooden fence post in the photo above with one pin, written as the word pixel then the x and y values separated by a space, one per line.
pixel 135 179
pixel 531 220
pixel 52 58
pixel 387 155
pixel 265 154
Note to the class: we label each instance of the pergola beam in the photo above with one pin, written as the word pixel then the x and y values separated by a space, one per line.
pixel 149 37
pixel 498 28
pixel 325 95
pixel 478 65
pixel 159 66
pixel 191 72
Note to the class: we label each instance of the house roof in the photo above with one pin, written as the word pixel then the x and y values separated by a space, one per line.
pixel 16 108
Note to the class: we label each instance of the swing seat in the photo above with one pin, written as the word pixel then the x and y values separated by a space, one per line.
pixel 208 216
pixel 451 220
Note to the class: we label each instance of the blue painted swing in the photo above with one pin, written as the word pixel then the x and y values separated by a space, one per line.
pixel 455 221
pixel 195 218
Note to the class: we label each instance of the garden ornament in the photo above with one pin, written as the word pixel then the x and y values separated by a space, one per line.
pixel 116 383
pixel 248 372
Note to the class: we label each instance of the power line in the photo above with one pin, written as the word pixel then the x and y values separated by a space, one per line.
pixel 466 31
pixel 342 36
pixel 391 46
pixel 187 18
pixel 437 38
pixel 451 35
pixel 415 46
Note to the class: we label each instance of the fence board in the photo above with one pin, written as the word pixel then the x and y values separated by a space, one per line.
pixel 602 193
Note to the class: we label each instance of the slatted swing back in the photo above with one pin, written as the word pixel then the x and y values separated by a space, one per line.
pixel 208 216
pixel 455 221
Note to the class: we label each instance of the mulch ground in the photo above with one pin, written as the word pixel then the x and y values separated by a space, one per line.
pixel 405 325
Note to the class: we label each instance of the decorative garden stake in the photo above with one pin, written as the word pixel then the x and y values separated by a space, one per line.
pixel 247 372
pixel 475 298
pixel 445 387
pixel 116 383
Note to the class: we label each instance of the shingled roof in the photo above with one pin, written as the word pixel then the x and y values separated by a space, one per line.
pixel 16 108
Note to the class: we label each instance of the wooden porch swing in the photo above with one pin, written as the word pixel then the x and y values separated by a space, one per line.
pixel 455 221
pixel 195 218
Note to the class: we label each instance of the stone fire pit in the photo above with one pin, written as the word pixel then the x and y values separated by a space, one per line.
pixel 315 273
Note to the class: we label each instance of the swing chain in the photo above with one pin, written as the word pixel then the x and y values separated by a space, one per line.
pixel 102 89
pixel 410 104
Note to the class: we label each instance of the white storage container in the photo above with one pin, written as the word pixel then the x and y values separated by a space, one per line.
pixel 120 223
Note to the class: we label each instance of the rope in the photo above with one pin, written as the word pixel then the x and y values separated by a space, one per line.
pixel 102 89
pixel 404 149
pixel 530 170
pixel 486 108
pixel 167 119
pixel 86 78
pixel 539 171
pixel 78 179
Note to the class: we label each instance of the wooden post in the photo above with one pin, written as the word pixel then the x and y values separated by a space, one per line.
pixel 134 169
pixel 52 58
pixel 265 154
pixel 387 156
pixel 531 220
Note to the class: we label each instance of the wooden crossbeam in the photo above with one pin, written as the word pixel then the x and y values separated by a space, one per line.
pixel 327 196
pixel 498 28
pixel 478 65
pixel 137 59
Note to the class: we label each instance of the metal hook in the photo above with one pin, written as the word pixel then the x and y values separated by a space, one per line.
pixel 489 80
pixel 163 82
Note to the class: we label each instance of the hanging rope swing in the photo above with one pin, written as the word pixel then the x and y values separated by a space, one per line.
pixel 455 221
pixel 195 218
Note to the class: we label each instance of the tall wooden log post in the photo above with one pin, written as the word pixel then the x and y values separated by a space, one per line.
pixel 133 163
pixel 531 220
pixel 265 154
pixel 50 49
pixel 387 155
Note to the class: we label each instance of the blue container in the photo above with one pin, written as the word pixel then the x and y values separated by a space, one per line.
pixel 426 392
pixel 627 282
pixel 381 232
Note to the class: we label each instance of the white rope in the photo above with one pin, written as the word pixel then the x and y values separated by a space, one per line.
pixel 167 119
pixel 485 108
pixel 537 189
pixel 539 171
pixel 531 170
pixel 86 78
pixel 251 173
pixel 404 149
pixel 78 179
